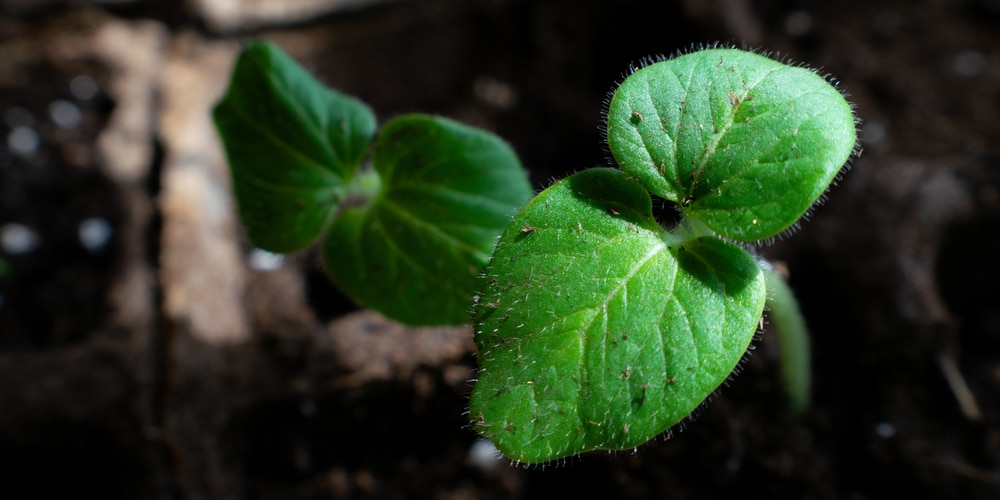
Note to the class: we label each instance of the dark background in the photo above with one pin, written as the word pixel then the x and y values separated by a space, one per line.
pixel 164 363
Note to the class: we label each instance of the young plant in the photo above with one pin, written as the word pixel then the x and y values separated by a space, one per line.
pixel 599 329
pixel 408 215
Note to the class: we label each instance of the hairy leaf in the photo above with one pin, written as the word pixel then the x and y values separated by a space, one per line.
pixel 742 142
pixel 599 330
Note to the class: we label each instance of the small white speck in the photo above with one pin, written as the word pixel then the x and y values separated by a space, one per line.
pixel 83 87
pixel 65 114
pixel 885 430
pixel 262 260
pixel 484 454
pixel 23 140
pixel 94 233
pixel 16 239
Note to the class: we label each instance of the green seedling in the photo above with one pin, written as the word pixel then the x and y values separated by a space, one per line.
pixel 407 214
pixel 598 328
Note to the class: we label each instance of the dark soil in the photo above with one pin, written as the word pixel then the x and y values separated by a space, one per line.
pixel 107 389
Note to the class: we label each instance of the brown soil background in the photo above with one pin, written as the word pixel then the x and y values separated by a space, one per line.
pixel 164 366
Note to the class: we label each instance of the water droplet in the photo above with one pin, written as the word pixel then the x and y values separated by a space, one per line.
pixel 65 114
pixel 17 239
pixel 94 233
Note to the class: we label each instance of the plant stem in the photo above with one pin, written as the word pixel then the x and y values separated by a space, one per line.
pixel 793 339
pixel 362 188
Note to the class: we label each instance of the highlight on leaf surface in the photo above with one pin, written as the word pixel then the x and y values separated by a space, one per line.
pixel 744 143
pixel 597 329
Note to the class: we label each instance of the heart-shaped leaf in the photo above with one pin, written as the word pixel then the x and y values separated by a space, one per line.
pixel 447 191
pixel 599 330
pixel 293 147
pixel 744 143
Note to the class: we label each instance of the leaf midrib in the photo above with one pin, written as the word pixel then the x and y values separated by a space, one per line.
pixel 657 248
pixel 716 137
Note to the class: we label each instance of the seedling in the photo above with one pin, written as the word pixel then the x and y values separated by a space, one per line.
pixel 606 329
pixel 596 326
pixel 407 231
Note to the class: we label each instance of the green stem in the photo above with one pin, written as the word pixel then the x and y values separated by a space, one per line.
pixel 362 188
pixel 793 339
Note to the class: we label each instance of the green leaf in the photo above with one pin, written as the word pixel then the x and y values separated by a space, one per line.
pixel 744 143
pixel 599 330
pixel 448 190
pixel 293 146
